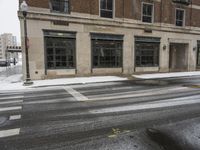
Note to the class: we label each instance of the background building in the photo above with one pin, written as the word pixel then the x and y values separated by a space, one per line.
pixel 91 37
pixel 7 39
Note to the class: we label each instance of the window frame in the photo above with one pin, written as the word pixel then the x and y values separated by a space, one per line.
pixel 184 16
pixel 66 35
pixel 62 12
pixel 198 53
pixel 113 10
pixel 152 17
pixel 158 52
pixel 92 53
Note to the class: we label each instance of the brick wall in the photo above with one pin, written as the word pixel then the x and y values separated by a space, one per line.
pixel 131 9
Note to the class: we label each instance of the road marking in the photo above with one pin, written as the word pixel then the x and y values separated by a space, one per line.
pixel 11 102
pixel 78 96
pixel 11 132
pixel 50 101
pixel 11 97
pixel 150 105
pixel 133 94
pixel 10 108
pixel 15 117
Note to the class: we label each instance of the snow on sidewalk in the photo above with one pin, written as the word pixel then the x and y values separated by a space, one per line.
pixel 8 84
pixel 167 75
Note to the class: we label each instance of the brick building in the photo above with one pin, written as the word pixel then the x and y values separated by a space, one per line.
pixel 91 37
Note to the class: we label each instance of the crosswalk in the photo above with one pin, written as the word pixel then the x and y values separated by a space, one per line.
pixel 10 108
pixel 47 113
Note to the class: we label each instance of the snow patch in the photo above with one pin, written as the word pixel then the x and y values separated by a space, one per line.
pixel 14 82
pixel 167 75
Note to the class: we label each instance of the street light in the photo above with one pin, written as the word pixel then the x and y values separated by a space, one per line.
pixel 24 9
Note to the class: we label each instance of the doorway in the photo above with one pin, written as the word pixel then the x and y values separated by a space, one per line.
pixel 178 57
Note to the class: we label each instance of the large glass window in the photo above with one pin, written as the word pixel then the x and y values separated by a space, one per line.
pixel 107 53
pixel 60 53
pixel 180 17
pixel 147 12
pixel 60 6
pixel 147 53
pixel 198 54
pixel 106 8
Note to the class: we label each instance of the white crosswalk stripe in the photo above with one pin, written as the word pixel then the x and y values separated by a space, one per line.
pixel 10 132
pixel 78 96
pixel 150 105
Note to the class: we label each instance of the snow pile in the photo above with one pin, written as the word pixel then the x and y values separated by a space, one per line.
pixel 14 82
pixel 2 69
pixel 167 75
pixel 78 80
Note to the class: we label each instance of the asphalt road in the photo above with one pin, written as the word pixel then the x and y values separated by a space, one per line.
pixel 103 116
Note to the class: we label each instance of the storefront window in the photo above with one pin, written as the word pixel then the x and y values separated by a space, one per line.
pixel 107 53
pixel 60 51
pixel 147 53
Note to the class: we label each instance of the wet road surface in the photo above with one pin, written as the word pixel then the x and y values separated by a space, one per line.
pixel 112 115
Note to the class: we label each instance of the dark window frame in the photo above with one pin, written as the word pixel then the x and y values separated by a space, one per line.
pixel 67 11
pixel 139 52
pixel 144 16
pixel 104 12
pixel 198 54
pixel 100 60
pixel 57 35
pixel 180 22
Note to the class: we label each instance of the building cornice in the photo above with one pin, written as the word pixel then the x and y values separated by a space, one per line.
pixel 78 18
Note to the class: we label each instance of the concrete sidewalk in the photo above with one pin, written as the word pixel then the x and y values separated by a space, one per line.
pixel 167 75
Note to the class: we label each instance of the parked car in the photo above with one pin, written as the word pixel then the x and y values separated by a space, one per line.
pixel 4 63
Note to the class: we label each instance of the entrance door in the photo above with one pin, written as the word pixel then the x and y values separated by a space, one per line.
pixel 178 57
pixel 198 56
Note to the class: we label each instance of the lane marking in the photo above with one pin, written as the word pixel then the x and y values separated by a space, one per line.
pixel 11 102
pixel 10 108
pixel 150 105
pixel 15 117
pixel 134 94
pixel 11 132
pixel 78 96
pixel 11 97
pixel 49 101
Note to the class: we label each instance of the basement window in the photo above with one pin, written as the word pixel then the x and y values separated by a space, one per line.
pixel 180 17
pixel 147 12
pixel 60 6
pixel 106 8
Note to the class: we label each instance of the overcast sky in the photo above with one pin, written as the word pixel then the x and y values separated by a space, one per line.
pixel 9 22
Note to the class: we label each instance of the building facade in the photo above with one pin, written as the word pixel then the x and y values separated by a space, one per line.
pixel 93 37
pixel 7 39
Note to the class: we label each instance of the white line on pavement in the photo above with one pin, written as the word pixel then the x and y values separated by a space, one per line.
pixel 134 94
pixel 78 96
pixel 11 102
pixel 11 97
pixel 150 105
pixel 10 108
pixel 15 117
pixel 11 132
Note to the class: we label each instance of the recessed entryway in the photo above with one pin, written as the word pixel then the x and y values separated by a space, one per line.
pixel 178 57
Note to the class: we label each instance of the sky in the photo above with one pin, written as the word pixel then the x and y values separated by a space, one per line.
pixel 9 22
